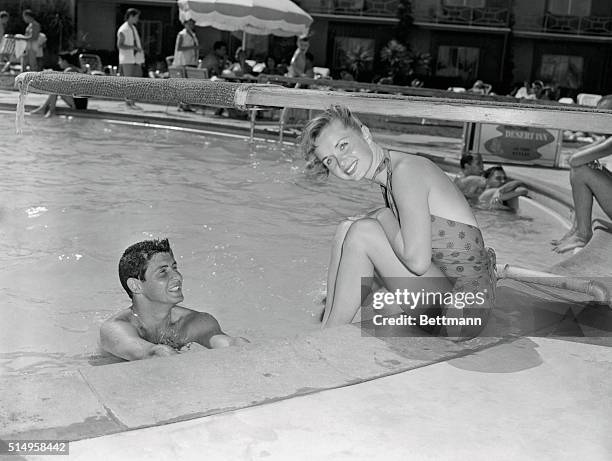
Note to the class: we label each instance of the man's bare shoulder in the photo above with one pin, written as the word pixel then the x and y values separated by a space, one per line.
pixel 178 312
pixel 121 321
pixel 189 315
pixel 116 330
pixel 123 315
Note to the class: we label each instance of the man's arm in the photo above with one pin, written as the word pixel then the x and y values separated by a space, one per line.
pixel 121 339
pixel 121 43
pixel 205 330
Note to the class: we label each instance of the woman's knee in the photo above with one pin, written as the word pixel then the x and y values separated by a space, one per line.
pixel 362 231
pixel 342 229
pixel 580 174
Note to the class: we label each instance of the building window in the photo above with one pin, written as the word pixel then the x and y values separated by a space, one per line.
pixel 457 61
pixel 468 3
pixel 570 7
pixel 151 35
pixel 561 70
pixel 356 54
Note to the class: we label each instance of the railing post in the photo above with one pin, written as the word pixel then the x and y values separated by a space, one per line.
pixel 253 115
pixel 281 124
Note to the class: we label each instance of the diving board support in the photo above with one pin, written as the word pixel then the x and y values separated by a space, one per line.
pixel 597 290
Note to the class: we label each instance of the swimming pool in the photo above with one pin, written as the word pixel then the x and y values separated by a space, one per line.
pixel 250 233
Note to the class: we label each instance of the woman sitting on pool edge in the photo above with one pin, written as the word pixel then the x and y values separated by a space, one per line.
pixel 427 228
pixel 68 61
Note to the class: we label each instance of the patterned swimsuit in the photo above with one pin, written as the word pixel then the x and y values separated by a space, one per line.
pixel 458 250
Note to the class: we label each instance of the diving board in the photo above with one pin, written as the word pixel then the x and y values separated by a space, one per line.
pixel 252 95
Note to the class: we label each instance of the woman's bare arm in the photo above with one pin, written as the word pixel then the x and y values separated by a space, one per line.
pixel 411 192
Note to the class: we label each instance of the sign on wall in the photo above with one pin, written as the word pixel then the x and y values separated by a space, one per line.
pixel 518 144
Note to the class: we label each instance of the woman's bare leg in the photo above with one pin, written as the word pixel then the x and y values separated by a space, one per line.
pixel 52 103
pixel 334 264
pixel 366 248
pixel 587 183
pixel 44 107
pixel 69 100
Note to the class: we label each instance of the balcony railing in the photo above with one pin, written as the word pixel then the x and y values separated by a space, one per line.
pixel 369 8
pixel 562 24
pixel 464 15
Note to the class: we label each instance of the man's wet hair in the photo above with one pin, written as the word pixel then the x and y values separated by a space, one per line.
pixel 131 12
pixel 312 130
pixel 489 171
pixel 466 160
pixel 135 260
pixel 4 14
pixel 28 12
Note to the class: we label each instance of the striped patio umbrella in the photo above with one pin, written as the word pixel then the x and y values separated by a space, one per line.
pixel 259 17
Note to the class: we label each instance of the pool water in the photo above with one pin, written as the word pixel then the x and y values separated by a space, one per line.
pixel 250 233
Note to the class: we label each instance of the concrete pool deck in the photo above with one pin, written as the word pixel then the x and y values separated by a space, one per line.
pixel 504 397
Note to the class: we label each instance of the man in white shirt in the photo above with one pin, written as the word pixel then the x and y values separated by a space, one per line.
pixel 131 54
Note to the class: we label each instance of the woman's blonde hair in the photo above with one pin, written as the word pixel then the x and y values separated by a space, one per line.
pixel 313 129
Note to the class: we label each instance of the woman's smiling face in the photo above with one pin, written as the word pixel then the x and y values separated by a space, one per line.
pixel 344 151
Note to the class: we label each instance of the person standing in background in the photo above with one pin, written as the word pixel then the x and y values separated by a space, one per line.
pixel 4 18
pixel 297 68
pixel 40 53
pixel 131 54
pixel 186 51
pixel 5 51
pixel 28 58
pixel 187 47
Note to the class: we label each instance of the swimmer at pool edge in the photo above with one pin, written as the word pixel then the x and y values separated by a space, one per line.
pixel 427 228
pixel 155 325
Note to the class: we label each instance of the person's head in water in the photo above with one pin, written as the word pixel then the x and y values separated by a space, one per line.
pixel 495 176
pixel 148 268
pixel 471 165
pixel 336 141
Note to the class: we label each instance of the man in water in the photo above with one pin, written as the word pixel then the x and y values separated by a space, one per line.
pixel 470 180
pixel 154 325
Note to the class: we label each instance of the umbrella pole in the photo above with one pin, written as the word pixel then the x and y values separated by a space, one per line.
pixel 244 37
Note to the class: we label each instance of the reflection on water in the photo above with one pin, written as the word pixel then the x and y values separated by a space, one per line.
pixel 250 233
